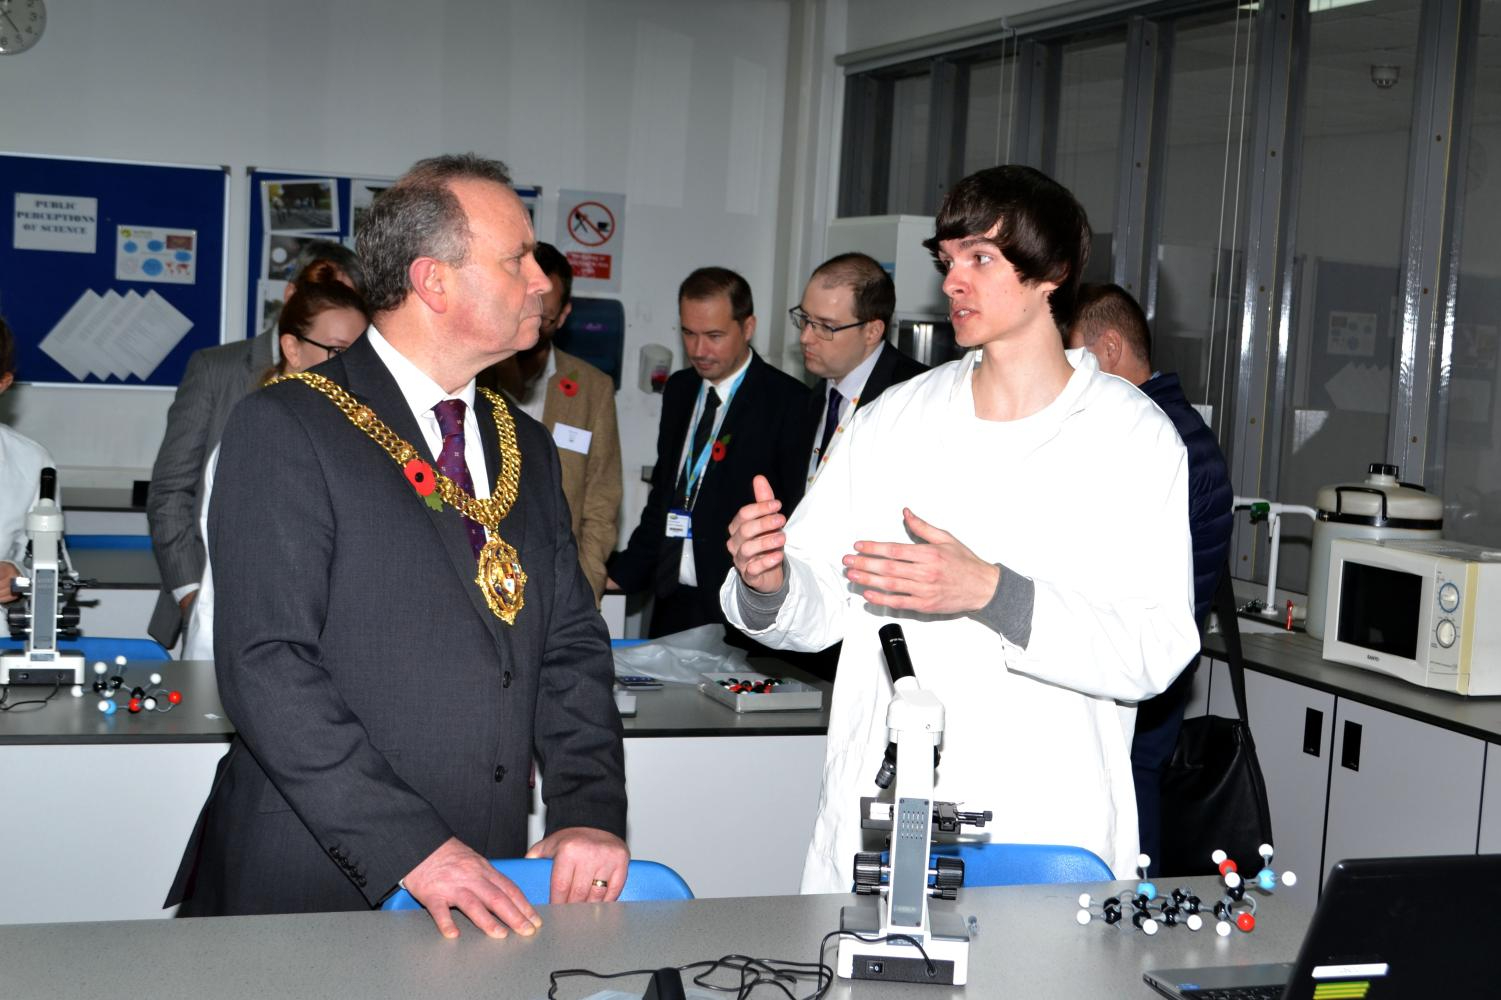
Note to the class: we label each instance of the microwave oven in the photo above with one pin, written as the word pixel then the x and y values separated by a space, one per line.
pixel 1427 611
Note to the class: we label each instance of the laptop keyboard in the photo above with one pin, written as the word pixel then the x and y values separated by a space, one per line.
pixel 1239 993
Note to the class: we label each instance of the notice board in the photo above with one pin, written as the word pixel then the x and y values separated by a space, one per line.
pixel 111 272
pixel 289 208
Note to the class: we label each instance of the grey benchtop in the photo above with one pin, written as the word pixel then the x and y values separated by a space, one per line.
pixel 1027 944
pixel 678 710
pixel 99 498
pixel 1298 657
pixel 69 720
pixel 116 569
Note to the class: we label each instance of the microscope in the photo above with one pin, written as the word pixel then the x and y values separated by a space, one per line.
pixel 48 607
pixel 882 936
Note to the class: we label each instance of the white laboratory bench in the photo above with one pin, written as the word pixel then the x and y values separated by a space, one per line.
pixel 99 808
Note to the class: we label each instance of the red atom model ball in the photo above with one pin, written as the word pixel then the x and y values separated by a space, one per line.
pixel 175 697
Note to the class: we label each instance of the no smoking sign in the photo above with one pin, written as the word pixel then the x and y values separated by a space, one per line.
pixel 589 235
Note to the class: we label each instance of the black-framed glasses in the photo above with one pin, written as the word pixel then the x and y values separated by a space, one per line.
pixel 801 320
pixel 332 351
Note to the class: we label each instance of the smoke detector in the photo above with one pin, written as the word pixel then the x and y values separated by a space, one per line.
pixel 1385 76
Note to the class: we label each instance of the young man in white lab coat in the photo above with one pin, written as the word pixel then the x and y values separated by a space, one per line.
pixel 21 463
pixel 983 504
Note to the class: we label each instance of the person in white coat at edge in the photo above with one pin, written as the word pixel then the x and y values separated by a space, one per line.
pixel 1024 516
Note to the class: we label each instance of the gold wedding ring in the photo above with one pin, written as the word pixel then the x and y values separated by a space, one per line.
pixel 600 883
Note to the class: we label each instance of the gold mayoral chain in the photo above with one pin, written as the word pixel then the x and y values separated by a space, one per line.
pixel 501 578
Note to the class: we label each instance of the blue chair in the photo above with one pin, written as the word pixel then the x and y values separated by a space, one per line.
pixel 533 876
pixel 105 648
pixel 1026 864
pixel 139 542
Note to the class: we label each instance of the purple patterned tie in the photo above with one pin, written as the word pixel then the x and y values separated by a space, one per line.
pixel 451 461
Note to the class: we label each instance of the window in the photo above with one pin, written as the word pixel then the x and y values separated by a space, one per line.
pixel 1325 251
pixel 1348 253
pixel 1086 136
pixel 1472 462
pixel 1198 286
pixel 988 117
pixel 911 103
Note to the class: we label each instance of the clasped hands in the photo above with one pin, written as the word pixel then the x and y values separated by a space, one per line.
pixel 456 877
pixel 936 575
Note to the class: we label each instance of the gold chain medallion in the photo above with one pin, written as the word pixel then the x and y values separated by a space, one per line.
pixel 501 578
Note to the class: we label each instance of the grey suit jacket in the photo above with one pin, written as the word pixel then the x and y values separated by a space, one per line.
pixel 380 707
pixel 215 380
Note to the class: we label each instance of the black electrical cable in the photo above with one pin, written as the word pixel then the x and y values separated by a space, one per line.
pixel 30 704
pixel 754 972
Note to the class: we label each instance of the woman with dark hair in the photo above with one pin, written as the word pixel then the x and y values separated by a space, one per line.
pixel 1046 586
pixel 322 317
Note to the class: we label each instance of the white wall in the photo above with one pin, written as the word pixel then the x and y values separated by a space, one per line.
pixel 677 103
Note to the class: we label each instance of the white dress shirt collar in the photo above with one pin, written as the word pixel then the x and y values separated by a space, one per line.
pixel 853 384
pixel 535 400
pixel 420 391
pixel 422 394
pixel 723 385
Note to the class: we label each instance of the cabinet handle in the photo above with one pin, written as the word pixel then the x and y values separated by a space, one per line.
pixel 1313 732
pixel 1349 755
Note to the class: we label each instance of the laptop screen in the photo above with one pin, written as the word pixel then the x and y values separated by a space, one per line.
pixel 1403 927
pixel 1385 928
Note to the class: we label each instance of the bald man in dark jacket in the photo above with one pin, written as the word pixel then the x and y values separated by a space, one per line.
pixel 1113 328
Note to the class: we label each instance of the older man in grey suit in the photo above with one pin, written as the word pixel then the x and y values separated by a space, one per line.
pixel 414 625
pixel 215 380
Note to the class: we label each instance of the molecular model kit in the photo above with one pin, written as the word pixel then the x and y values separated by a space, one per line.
pixel 1149 911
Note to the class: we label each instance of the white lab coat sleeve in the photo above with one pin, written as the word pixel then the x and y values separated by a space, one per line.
pixel 812 616
pixel 1126 629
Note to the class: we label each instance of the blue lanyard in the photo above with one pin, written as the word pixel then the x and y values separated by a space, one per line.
pixel 699 464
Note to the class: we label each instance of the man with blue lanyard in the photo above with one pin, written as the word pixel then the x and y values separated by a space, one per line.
pixel 725 418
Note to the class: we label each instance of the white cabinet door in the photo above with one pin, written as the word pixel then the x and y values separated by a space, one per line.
pixel 1400 787
pixel 1292 726
pixel 1490 802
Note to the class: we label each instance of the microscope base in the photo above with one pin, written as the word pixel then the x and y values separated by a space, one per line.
pixel 49 668
pixel 897 961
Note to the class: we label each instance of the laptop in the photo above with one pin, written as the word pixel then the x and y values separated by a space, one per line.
pixel 1384 928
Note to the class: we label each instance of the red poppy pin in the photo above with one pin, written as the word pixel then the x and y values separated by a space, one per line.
pixel 420 475
pixel 569 387
pixel 720 448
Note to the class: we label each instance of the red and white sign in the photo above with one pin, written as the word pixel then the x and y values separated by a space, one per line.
pixel 589 234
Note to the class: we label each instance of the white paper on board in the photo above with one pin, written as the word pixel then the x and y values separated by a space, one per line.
pixel 159 327
pixel 90 330
pixel 61 343
pixel 64 223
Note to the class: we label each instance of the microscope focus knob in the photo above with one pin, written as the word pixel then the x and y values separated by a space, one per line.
pixel 869 873
pixel 948 876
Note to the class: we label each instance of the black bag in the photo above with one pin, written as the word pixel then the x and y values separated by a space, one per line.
pixel 1213 796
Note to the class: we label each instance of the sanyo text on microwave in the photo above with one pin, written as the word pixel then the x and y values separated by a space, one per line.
pixel 1427 611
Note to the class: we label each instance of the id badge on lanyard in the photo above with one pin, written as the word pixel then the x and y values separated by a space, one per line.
pixel 679 523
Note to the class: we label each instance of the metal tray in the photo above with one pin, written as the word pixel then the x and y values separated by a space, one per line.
pixel 788 696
